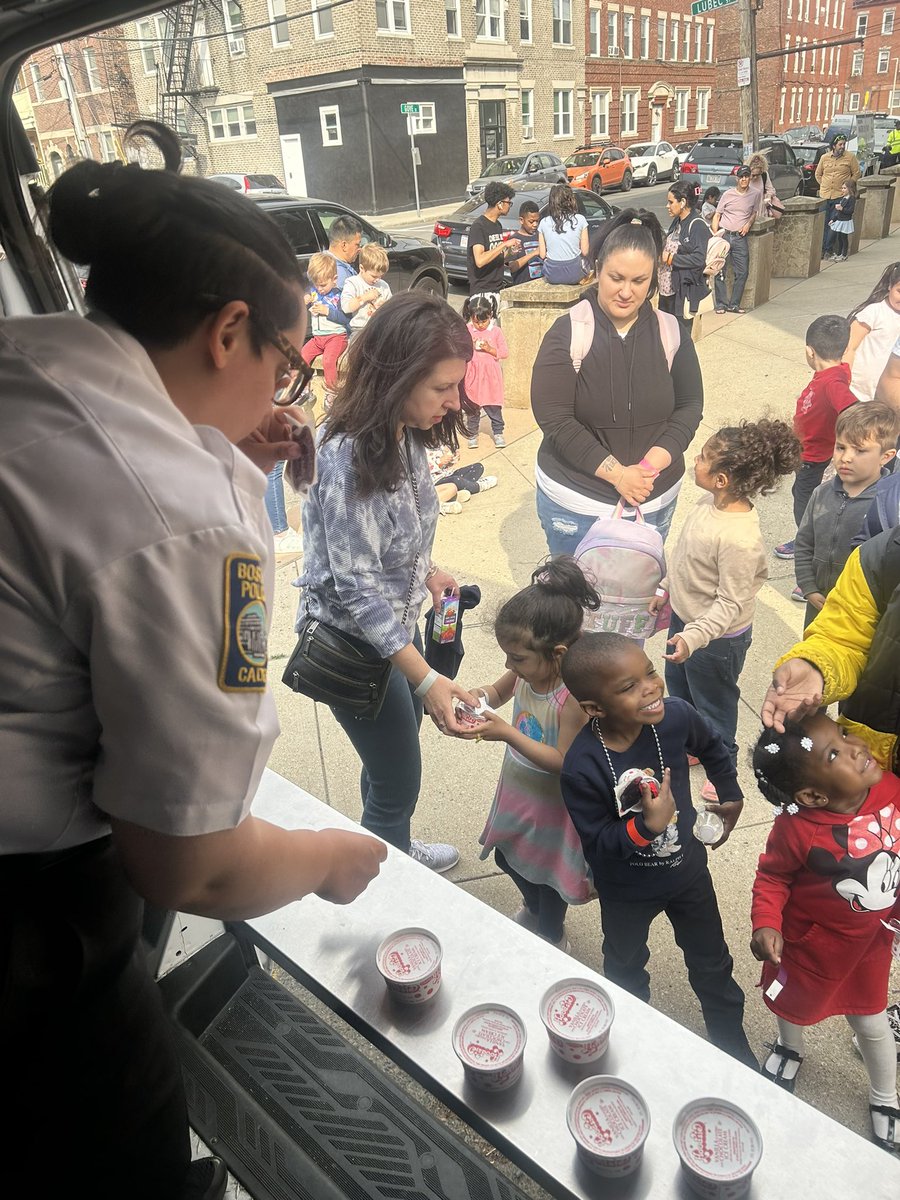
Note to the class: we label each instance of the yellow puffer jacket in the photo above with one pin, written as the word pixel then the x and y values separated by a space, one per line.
pixel 832 173
pixel 854 643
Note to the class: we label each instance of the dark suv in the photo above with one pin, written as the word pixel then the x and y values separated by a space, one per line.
pixel 715 159
pixel 808 155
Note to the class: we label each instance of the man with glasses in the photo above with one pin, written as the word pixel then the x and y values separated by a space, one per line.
pixel 488 251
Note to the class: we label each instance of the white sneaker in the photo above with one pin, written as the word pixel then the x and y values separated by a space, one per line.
pixel 289 542
pixel 499 441
pixel 527 919
pixel 486 482
pixel 473 442
pixel 450 507
pixel 437 856
pixel 463 496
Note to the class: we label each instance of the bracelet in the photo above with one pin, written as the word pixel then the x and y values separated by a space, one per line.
pixel 648 466
pixel 431 572
pixel 427 682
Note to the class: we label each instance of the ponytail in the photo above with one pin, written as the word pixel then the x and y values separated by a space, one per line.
pixel 550 612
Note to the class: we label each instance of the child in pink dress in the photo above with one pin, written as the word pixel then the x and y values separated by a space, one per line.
pixel 529 828
pixel 484 377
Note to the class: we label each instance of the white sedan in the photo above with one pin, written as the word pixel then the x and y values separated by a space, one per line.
pixel 652 161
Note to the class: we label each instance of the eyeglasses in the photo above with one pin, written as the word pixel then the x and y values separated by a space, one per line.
pixel 295 389
pixel 507 202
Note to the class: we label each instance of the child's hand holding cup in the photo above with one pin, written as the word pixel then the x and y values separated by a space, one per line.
pixel 659 811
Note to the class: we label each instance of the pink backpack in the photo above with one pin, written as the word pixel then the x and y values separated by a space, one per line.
pixel 581 316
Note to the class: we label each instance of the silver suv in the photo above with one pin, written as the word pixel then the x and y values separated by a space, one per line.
pixel 714 161
pixel 541 166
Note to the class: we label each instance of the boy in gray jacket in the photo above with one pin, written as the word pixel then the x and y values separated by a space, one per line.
pixel 865 441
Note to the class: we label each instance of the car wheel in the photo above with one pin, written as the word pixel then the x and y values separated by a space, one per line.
pixel 676 171
pixel 596 186
pixel 626 182
pixel 651 176
pixel 429 286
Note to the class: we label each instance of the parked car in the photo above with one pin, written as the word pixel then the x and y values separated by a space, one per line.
pixel 451 233
pixel 413 264
pixel 683 148
pixel 715 159
pixel 803 134
pixel 808 155
pixel 859 130
pixel 653 160
pixel 252 185
pixel 599 167
pixel 541 166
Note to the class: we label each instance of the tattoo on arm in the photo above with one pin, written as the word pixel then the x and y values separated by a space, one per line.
pixel 610 464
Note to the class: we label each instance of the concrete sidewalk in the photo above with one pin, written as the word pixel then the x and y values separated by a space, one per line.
pixel 751 365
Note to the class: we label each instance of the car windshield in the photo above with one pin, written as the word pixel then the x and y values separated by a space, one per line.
pixel 717 150
pixel 806 154
pixel 504 166
pixel 582 160
pixel 638 151
pixel 265 181
pixel 846 130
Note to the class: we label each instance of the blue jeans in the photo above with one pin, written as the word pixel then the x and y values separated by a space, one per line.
pixel 564 530
pixel 709 681
pixel 391 758
pixel 739 257
pixel 275 499
pixel 828 235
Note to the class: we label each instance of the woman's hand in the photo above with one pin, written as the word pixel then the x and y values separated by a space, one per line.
pixel 441 582
pixel 492 729
pixel 635 485
pixel 271 442
pixel 795 692
pixel 766 945
pixel 682 651
pixel 438 702
pixel 730 812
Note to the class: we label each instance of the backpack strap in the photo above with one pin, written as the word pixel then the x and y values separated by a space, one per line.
pixel 581 316
pixel 670 333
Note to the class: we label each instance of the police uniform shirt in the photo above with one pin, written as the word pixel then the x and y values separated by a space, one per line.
pixel 135 572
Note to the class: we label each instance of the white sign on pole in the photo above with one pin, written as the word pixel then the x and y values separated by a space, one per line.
pixel 743 72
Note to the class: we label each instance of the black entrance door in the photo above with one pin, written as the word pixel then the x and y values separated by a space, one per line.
pixel 492 127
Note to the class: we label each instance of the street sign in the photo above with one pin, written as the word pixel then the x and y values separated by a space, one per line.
pixel 414 109
pixel 743 72
pixel 704 6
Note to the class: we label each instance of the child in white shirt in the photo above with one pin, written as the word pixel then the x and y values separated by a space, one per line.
pixel 366 291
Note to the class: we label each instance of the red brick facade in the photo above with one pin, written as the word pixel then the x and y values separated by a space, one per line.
pixel 872 84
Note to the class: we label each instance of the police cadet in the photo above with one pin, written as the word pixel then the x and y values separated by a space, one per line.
pixel 135 578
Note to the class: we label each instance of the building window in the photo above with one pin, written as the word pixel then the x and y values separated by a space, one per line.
pixel 884 60
pixel 594 33
pixel 330 121
pixel 488 20
pixel 887 21
pixel 894 101
pixel 790 9
pixel 629 112
pixel 645 37
pixel 234 24
pixel 862 24
pixel 612 32
pixel 91 71
pixel 674 36
pixel 148 46
pixel 424 121
pixel 682 95
pixel 687 42
pixel 108 146
pixel 392 16
pixel 856 65
pixel 781 107
pixel 562 22
pixel 710 35
pixel 231 122
pixel 599 114
pixel 661 39
pixel 36 82
pixel 526 105
pixel 281 35
pixel 524 20
pixel 323 23
pixel 703 107
pixel 698 43
pixel 627 35
pixel 562 113
pixel 853 106
pixel 451 16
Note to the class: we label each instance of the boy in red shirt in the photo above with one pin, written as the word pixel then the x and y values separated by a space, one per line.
pixel 826 395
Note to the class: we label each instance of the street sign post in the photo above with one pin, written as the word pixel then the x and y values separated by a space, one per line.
pixel 699 7
pixel 410 111
pixel 414 110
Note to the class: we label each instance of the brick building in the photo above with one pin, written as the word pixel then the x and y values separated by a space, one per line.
pixel 797 89
pixel 650 73
pixel 80 97
pixel 872 85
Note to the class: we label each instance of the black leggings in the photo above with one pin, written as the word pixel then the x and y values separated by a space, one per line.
pixel 840 242
pixel 540 899
pixel 465 478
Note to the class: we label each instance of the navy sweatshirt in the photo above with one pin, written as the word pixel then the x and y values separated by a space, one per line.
pixel 627 860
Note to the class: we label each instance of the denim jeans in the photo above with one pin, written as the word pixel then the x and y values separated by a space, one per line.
pixel 828 235
pixel 564 530
pixel 391 758
pixel 806 480
pixel 709 680
pixel 275 499
pixel 495 414
pixel 739 257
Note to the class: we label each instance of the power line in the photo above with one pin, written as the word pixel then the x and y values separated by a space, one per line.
pixel 229 33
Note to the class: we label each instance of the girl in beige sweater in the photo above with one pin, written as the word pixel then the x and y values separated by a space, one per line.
pixel 717 568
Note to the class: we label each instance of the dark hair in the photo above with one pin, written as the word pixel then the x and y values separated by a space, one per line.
pixel 398 348
pixel 562 207
pixel 889 276
pixel 778 763
pixel 684 191
pixel 497 191
pixel 550 612
pixel 586 660
pixel 166 251
pixel 850 185
pixel 528 206
pixel 754 455
pixel 875 421
pixel 479 306
pixel 342 228
pixel 829 336
pixel 631 229
pixel 711 195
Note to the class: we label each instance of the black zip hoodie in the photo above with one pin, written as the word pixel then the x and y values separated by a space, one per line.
pixel 623 401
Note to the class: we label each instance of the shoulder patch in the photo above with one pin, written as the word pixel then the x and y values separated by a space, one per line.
pixel 244 662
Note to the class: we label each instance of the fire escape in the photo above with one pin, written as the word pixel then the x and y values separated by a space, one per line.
pixel 180 76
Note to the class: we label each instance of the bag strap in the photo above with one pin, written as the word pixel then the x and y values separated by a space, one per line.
pixel 415 489
pixel 670 333
pixel 581 316
pixel 619 513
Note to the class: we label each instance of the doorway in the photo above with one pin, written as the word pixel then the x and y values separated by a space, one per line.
pixel 656 123
pixel 492 129
pixel 292 159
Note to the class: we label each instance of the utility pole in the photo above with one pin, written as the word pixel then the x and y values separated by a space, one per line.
pixel 749 95
pixel 84 146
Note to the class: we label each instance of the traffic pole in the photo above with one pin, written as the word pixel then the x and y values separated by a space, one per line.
pixel 412 151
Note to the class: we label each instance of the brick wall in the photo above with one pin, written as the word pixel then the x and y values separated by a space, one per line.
pixel 874 87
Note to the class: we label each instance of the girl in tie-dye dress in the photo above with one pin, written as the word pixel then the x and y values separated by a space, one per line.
pixel 529 829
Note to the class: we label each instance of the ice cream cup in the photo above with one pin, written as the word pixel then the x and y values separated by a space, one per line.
pixel 410 963
pixel 489 1041
pixel 577 1015
pixel 708 827
pixel 719 1147
pixel 609 1120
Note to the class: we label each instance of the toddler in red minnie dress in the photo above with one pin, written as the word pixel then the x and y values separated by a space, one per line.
pixel 824 896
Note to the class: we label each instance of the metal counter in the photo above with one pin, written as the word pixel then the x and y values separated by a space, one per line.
pixel 487 957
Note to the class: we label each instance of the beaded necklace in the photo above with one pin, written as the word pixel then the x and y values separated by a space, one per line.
pixel 595 729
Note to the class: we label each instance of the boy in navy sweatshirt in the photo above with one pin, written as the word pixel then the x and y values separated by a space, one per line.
pixel 647 861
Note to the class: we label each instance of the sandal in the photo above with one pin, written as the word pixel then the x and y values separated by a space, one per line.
pixel 782 1056
pixel 739 312
pixel 885 1126
pixel 721 311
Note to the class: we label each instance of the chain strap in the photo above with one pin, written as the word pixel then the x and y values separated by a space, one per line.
pixel 415 489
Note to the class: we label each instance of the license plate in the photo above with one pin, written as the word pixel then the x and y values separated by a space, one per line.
pixel 463 241
pixel 710 178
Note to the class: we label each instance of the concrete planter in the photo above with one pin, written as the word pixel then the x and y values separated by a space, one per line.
pixel 797 251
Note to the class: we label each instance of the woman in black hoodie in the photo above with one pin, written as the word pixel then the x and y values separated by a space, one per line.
pixel 616 428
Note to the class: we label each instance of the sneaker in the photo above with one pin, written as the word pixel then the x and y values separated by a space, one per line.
pixel 206 1179
pixel 797 595
pixel 785 550
pixel 486 482
pixel 499 441
pixel 563 944
pixel 708 792
pixel 437 856
pixel 463 496
pixel 840 258
pixel 289 542
pixel 450 508
pixel 693 762
pixel 527 919
pixel 473 442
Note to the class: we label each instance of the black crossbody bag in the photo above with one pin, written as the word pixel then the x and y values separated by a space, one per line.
pixel 335 667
